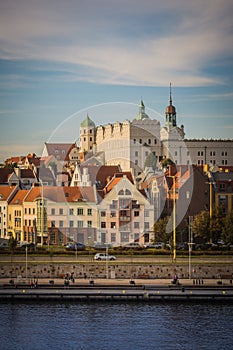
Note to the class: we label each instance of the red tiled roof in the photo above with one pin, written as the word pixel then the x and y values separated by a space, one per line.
pixel 60 151
pixel 5 192
pixel 101 174
pixel 61 194
pixel 27 173
pixel 4 175
pixel 19 197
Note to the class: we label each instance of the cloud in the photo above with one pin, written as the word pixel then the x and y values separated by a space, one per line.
pixel 117 43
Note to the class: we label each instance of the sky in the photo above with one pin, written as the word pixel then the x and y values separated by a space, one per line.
pixel 60 60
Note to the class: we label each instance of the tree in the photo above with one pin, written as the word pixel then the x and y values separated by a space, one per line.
pixel 227 231
pixel 201 226
pixel 160 232
pixel 216 224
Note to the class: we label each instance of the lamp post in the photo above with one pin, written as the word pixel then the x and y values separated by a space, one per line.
pixel 26 263
pixel 211 183
pixel 174 214
pixel 106 260
pixel 190 244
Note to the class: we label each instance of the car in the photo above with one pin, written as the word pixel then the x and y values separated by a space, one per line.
pixel 75 246
pixel 103 256
pixel 154 245
pixel 132 245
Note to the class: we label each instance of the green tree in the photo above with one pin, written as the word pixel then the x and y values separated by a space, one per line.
pixel 227 230
pixel 216 224
pixel 160 232
pixel 201 226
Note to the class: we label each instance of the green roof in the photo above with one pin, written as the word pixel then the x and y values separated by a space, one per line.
pixel 87 122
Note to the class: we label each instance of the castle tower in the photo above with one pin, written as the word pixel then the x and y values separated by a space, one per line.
pixel 87 134
pixel 142 114
pixel 170 113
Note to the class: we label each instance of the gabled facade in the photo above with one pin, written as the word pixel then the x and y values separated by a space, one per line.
pixel 6 194
pixel 125 215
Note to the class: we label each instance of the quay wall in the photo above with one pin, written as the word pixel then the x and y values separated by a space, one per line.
pixel 114 270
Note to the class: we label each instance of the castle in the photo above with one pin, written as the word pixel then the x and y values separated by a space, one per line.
pixel 143 142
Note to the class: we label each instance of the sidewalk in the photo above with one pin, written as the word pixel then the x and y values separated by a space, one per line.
pixel 122 282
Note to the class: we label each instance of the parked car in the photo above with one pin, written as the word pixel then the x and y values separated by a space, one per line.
pixel 75 246
pixel 158 245
pixel 103 256
pixel 132 245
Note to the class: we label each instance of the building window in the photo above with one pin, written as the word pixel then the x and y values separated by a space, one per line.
pixel 146 154
pixel 140 141
pixel 60 223
pixel 136 224
pixel 149 141
pixel 53 224
pixel 136 153
pixel 89 211
pixel 71 211
pixel 80 211
pixel 124 237
pixel 136 213
pixel 103 224
pixel 136 162
pixel 113 224
pixel 175 153
pixel 113 214
pixel 90 139
pixel 113 237
pixel 25 211
pixel 134 141
pixel 146 225
pixel 71 223
pixel 103 213
pixel 60 211
pixel 155 141
pixel 80 223
pixel 52 211
pixel 89 224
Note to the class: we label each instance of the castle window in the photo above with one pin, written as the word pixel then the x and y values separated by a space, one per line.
pixel 155 141
pixel 149 141
pixel 90 138
pixel 91 131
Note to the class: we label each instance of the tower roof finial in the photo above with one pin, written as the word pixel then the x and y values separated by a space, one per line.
pixel 170 94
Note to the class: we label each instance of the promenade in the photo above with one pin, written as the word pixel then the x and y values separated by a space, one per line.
pixel 116 290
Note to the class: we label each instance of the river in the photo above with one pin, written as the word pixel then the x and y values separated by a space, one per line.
pixel 116 326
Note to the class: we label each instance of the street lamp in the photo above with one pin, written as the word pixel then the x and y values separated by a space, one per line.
pixel 26 263
pixel 106 260
pixel 174 214
pixel 190 244
pixel 211 183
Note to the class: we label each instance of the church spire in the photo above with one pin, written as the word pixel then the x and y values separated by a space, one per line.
pixel 170 112
pixel 170 94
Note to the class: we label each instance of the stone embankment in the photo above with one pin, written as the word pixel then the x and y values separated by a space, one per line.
pixel 113 270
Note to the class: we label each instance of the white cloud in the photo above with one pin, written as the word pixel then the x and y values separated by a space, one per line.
pixel 83 35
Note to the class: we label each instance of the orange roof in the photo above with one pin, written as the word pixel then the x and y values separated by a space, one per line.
pixel 61 194
pixel 19 197
pixel 5 192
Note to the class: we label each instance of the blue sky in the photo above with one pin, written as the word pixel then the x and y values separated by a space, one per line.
pixel 60 60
